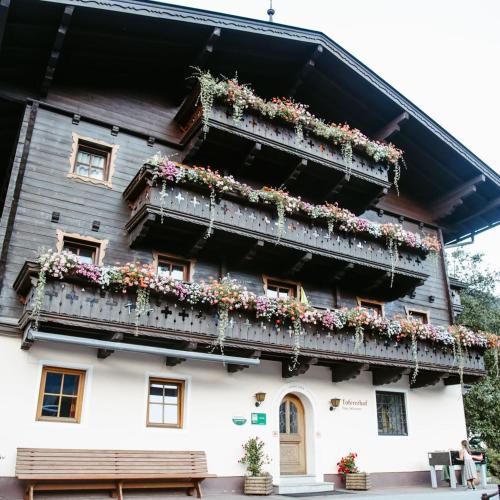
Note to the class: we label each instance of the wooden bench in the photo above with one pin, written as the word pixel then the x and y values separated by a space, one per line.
pixel 114 470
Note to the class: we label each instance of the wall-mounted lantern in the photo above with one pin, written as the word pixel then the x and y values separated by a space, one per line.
pixel 334 403
pixel 259 398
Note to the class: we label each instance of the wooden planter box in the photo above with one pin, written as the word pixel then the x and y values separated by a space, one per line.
pixel 357 481
pixel 258 485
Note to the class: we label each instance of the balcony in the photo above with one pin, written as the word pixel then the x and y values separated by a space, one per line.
pixel 269 153
pixel 249 234
pixel 70 309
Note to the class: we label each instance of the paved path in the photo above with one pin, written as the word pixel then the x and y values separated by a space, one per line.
pixel 379 494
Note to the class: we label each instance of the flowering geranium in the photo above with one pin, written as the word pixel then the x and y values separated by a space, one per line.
pixel 334 216
pixel 228 294
pixel 347 465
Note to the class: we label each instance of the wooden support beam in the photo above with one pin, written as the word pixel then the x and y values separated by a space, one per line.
pixel 204 55
pixel 4 11
pixel 425 379
pixel 105 353
pixel 346 371
pixel 250 157
pixel 387 374
pixel 495 203
pixel 467 379
pixel 294 175
pixel 288 370
pixel 385 276
pixel 306 69
pixel 185 346
pixel 343 271
pixel 391 128
pixel 374 201
pixel 307 257
pixel 199 244
pixel 252 252
pixel 193 146
pixel 447 204
pixel 337 187
pixel 56 50
pixel 238 368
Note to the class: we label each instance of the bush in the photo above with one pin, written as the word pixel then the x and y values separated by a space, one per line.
pixel 493 457
pixel 347 464
pixel 254 457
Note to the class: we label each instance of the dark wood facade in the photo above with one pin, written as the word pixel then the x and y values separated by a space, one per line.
pixel 128 100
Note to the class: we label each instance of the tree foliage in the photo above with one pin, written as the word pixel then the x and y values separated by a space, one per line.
pixel 482 312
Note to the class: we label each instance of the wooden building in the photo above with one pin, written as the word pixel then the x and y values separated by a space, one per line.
pixel 89 91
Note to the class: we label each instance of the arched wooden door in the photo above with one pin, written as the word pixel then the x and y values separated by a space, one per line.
pixel 292 436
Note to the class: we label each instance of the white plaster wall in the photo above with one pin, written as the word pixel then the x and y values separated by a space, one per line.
pixel 114 412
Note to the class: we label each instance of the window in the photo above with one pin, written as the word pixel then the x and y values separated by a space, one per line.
pixel 165 403
pixel 373 305
pixel 276 289
pixel 61 394
pixel 92 160
pixel 420 316
pixel 174 268
pixel 87 251
pixel 391 414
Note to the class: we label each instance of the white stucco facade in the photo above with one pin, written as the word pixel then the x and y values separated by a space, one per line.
pixel 115 401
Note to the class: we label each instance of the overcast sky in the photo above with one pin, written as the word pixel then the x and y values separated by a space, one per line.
pixel 444 55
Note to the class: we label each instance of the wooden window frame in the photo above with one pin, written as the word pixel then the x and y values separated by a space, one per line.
pixel 89 143
pixel 79 395
pixel 102 245
pixel 403 430
pixel 423 312
pixel 180 401
pixel 293 285
pixel 359 301
pixel 189 263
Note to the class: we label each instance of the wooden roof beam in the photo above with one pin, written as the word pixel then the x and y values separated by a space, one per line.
pixel 391 128
pixel 4 11
pixel 56 50
pixel 305 70
pixel 204 55
pixel 199 244
pixel 307 257
pixel 337 187
pixel 447 204
pixel 194 146
pixel 295 174
pixel 186 346
pixel 105 353
pixel 380 194
pixel 238 368
pixel 495 203
pixel 385 276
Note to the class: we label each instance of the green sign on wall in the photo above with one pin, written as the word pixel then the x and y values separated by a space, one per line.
pixel 239 420
pixel 258 419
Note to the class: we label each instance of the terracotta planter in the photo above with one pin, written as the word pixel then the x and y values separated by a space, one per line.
pixel 258 485
pixel 357 481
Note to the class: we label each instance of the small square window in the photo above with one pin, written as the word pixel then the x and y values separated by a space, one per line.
pixel 165 403
pixel 87 251
pixel 276 289
pixel 92 161
pixel 61 394
pixel 420 316
pixel 376 307
pixel 176 269
pixel 391 414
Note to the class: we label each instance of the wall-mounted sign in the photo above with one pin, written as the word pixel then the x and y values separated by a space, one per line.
pixel 239 420
pixel 258 419
pixel 354 404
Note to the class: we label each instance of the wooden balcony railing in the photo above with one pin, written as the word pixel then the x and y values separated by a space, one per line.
pixel 70 308
pixel 151 214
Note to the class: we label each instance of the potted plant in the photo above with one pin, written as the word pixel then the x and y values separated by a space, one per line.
pixel 257 482
pixel 354 480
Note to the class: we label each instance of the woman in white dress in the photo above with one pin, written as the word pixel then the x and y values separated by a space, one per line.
pixel 469 466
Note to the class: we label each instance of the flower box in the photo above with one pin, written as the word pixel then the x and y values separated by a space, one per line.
pixel 258 485
pixel 357 481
